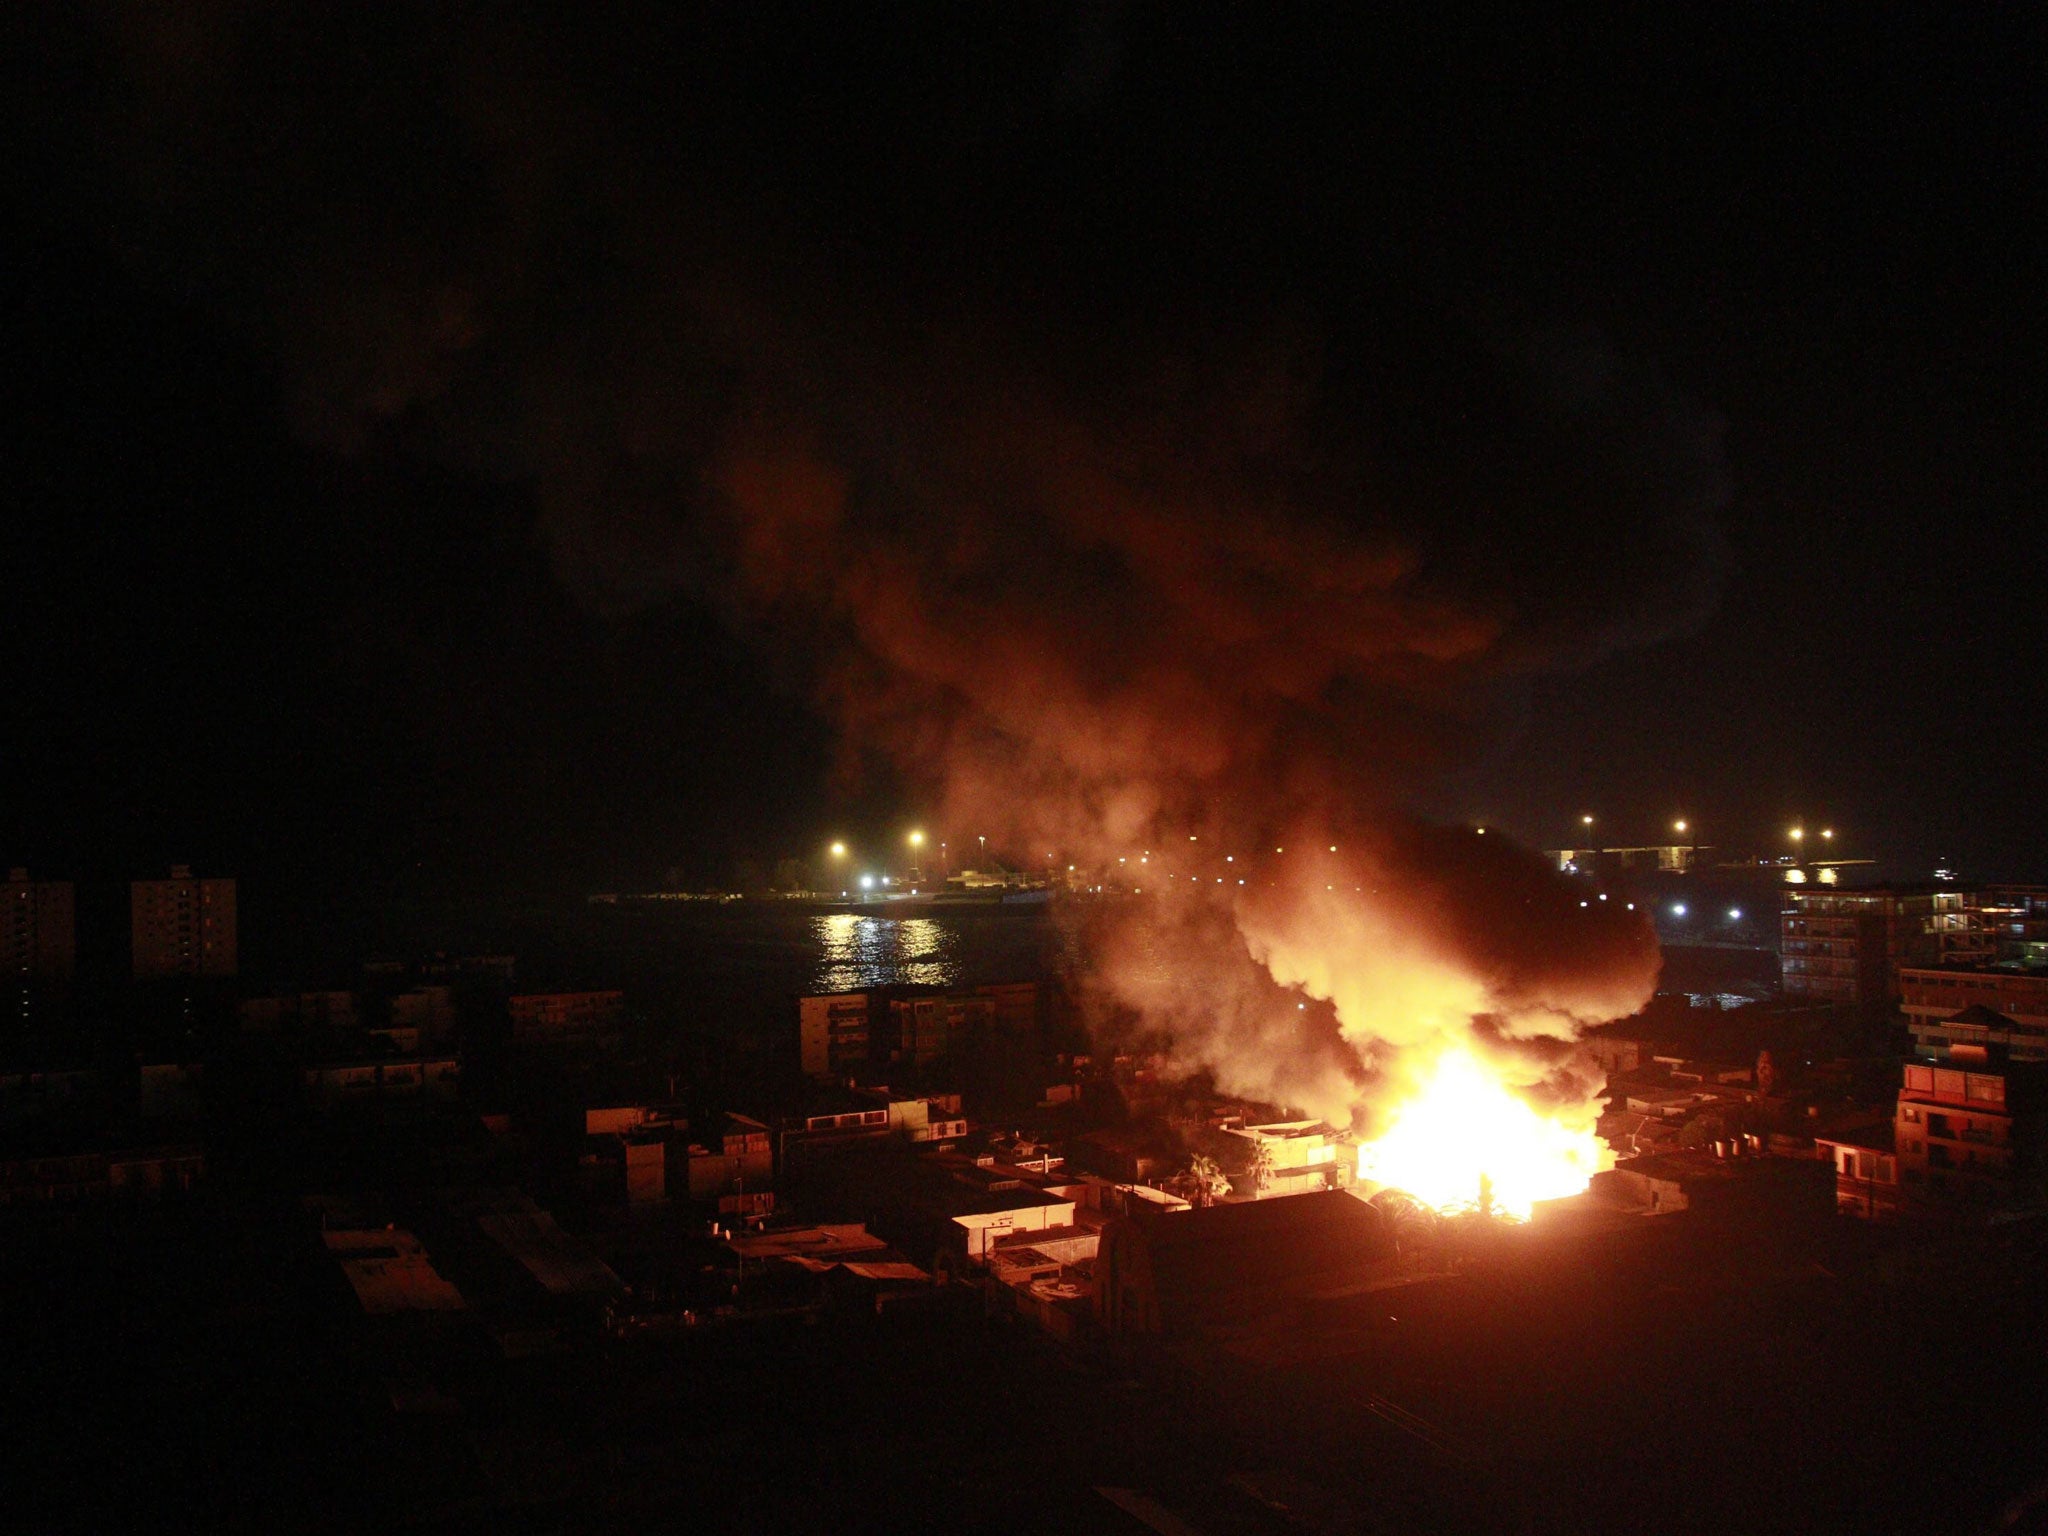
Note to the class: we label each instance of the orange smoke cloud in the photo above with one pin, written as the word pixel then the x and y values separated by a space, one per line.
pixel 1097 643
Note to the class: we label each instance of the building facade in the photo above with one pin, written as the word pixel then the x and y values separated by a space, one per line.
pixel 833 1033
pixel 1960 1133
pixel 545 1018
pixel 1979 1010
pixel 38 940
pixel 182 926
pixel 840 1033
pixel 1847 946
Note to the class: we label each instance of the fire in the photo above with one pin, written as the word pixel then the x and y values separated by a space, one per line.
pixel 1465 1141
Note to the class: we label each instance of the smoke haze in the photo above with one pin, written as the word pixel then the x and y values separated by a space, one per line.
pixel 1107 553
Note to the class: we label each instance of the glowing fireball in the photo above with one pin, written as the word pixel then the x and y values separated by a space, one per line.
pixel 1466 1141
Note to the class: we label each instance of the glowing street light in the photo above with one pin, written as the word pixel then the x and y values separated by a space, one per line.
pixel 1798 834
pixel 839 850
pixel 916 839
pixel 1678 827
pixel 1827 832
pixel 1735 914
pixel 1678 909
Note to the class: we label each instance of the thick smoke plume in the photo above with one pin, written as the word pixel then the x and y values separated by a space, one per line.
pixel 1177 652
pixel 1198 590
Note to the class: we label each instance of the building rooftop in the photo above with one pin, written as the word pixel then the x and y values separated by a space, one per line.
pixel 1878 1136
pixel 834 1240
pixel 389 1271
pixel 1983 1017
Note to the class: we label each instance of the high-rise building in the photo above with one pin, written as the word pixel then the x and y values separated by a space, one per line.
pixel 1846 946
pixel 37 938
pixel 183 926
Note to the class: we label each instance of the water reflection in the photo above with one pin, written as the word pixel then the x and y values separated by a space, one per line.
pixel 856 951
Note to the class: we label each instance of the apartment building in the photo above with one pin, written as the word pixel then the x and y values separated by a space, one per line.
pixel 182 926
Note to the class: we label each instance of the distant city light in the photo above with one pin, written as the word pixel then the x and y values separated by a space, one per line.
pixel 1603 895
pixel 1582 903
pixel 1586 821
pixel 1735 914
pixel 1480 830
pixel 1827 831
pixel 1631 906
pixel 1678 909
pixel 867 882
pixel 1333 847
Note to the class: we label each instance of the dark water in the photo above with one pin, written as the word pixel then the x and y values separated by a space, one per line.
pixel 733 965
pixel 1719 977
pixel 737 964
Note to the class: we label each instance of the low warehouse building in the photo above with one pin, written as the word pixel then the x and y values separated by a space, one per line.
pixel 1183 1270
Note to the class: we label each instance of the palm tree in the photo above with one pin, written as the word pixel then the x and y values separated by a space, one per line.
pixel 1206 1180
pixel 1258 1168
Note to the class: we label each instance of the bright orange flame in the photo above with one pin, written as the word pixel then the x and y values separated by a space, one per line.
pixel 1464 1129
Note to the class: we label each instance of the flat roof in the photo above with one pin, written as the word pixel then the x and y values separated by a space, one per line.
pixel 827 1240
pixel 389 1271
pixel 1880 1137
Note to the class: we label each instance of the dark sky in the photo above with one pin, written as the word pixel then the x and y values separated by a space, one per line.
pixel 361 378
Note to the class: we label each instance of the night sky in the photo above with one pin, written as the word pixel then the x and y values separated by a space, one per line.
pixel 362 381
